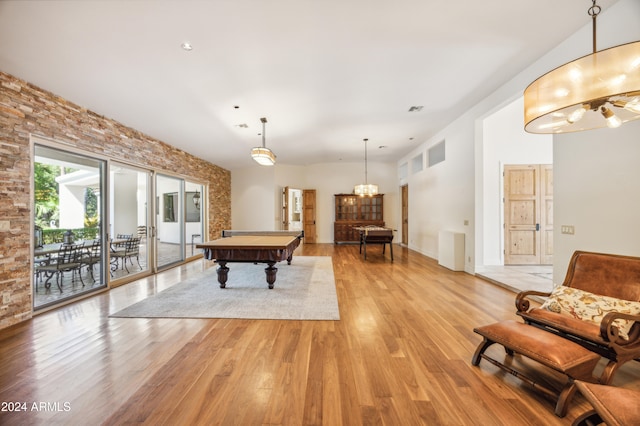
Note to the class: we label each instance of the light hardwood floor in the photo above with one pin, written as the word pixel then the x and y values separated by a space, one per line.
pixel 400 355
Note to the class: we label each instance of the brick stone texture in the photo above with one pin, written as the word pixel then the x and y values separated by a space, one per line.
pixel 29 110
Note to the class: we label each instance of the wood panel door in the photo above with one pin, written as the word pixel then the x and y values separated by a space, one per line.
pixel 309 215
pixel 285 208
pixel 528 214
pixel 405 214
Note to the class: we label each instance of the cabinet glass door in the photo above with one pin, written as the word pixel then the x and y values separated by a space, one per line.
pixel 376 208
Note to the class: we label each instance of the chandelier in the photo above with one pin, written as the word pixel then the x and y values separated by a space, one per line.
pixel 263 155
pixel 597 90
pixel 365 188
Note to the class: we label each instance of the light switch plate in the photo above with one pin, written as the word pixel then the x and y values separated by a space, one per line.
pixel 567 229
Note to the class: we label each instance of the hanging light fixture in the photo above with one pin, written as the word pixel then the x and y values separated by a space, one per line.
pixel 365 188
pixel 263 155
pixel 597 90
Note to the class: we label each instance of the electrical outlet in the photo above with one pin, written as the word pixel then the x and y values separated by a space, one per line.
pixel 6 298
pixel 567 229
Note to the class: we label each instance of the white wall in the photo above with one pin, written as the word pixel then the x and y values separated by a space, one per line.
pixel 249 184
pixel 254 199
pixel 505 142
pixel 441 196
pixel 597 190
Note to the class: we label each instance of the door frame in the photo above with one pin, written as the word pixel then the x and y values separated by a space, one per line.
pixel 182 222
pixel 309 224
pixel 67 149
pixel 404 206
pixel 285 208
pixel 150 247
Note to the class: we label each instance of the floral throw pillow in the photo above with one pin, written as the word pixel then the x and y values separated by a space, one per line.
pixel 591 307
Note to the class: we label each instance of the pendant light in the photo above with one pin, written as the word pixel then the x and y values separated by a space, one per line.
pixel 263 155
pixel 597 90
pixel 365 188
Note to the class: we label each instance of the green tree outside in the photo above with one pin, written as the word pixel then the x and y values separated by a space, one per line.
pixel 46 195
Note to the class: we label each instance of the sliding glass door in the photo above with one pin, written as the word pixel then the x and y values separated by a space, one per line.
pixel 98 222
pixel 129 245
pixel 169 220
pixel 179 219
pixel 69 233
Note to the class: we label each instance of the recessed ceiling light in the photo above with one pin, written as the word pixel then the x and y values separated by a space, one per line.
pixel 187 46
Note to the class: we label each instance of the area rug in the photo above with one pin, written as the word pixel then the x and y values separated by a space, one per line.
pixel 304 290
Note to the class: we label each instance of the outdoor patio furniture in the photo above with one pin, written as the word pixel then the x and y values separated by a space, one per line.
pixel 127 250
pixel 68 259
pixel 92 256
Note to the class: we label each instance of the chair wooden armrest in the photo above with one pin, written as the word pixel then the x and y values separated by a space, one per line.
pixel 609 331
pixel 522 301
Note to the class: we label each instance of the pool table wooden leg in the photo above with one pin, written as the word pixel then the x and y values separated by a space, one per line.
pixel 271 274
pixel 223 274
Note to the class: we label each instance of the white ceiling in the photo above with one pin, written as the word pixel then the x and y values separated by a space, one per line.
pixel 325 73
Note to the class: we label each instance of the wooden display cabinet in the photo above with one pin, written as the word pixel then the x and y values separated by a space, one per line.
pixel 355 210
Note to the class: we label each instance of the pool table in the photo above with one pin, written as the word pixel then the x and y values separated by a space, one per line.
pixel 267 247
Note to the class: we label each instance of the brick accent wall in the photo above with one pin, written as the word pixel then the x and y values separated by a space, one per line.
pixel 26 109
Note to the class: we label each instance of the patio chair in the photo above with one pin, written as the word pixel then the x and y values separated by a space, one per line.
pixel 40 260
pixel 91 256
pixel 131 248
pixel 68 259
